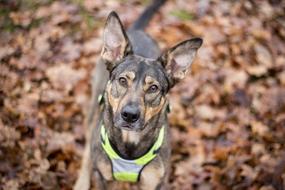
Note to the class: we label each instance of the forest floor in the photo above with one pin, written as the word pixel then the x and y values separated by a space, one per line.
pixel 228 115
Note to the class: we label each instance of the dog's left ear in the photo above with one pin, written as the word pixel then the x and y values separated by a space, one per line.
pixel 178 59
pixel 115 41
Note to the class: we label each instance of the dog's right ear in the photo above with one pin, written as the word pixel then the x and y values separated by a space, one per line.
pixel 177 60
pixel 116 44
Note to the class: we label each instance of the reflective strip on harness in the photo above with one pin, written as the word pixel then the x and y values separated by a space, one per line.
pixel 126 170
pixel 129 170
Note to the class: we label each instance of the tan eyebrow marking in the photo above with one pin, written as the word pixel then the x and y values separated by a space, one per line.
pixel 130 75
pixel 149 81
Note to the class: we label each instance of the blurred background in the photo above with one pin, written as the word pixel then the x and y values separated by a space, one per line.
pixel 228 115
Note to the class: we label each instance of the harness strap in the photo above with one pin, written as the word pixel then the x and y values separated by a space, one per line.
pixel 129 170
pixel 100 99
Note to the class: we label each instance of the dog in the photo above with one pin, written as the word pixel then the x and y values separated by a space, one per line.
pixel 128 134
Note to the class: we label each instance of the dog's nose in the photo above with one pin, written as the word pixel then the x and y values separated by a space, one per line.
pixel 130 113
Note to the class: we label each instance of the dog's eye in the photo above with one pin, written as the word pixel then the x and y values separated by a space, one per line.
pixel 123 81
pixel 153 88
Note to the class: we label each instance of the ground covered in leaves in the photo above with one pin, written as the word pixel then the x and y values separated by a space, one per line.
pixel 228 115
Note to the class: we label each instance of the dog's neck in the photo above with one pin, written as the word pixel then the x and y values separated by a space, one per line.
pixel 130 144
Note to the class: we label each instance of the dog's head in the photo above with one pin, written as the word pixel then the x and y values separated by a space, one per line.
pixel 138 86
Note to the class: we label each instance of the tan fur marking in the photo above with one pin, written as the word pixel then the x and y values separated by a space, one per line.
pixel 130 75
pixel 151 176
pixel 148 82
pixel 113 101
pixel 131 136
pixel 143 106
pixel 152 111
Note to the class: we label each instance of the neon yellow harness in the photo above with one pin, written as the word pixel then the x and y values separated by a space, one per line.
pixel 129 170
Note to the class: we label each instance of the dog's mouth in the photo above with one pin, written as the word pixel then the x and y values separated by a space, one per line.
pixel 128 126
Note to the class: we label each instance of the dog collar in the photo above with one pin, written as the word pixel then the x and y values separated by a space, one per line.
pixel 129 170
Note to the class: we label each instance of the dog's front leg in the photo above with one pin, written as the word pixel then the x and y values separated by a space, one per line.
pixel 100 182
pixel 83 181
pixel 153 176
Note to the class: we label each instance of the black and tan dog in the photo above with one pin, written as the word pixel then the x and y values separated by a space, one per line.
pixel 128 138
